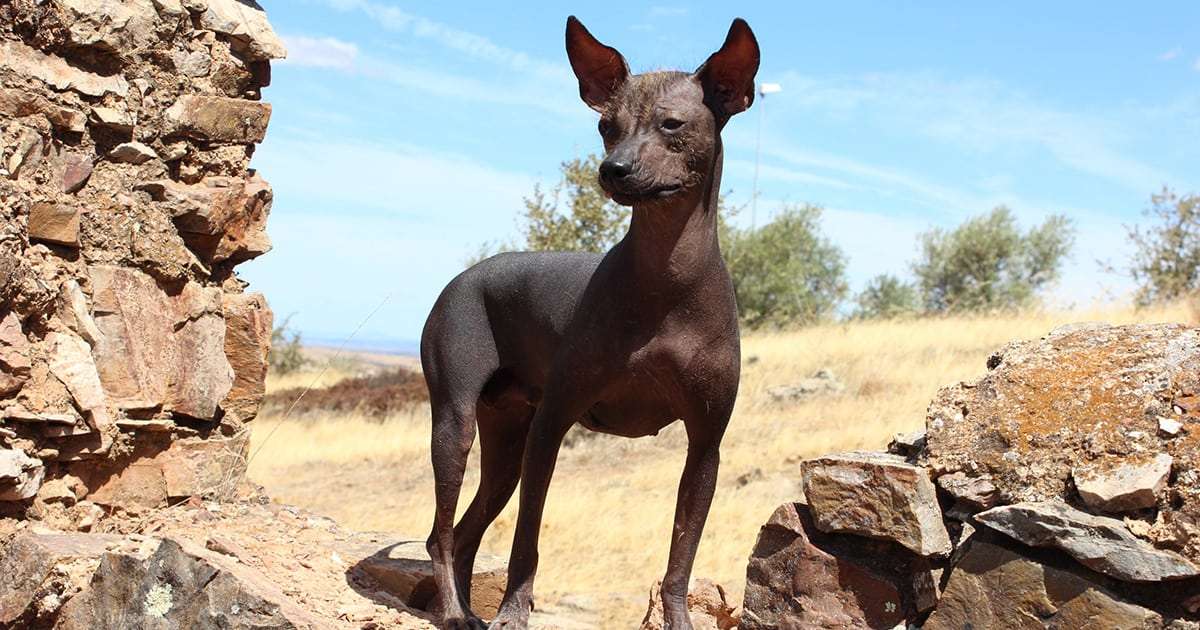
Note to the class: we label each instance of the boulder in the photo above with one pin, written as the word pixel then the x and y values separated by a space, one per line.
pixel 169 584
pixel 1083 396
pixel 707 605
pixel 54 223
pixel 403 570
pixel 1126 484
pixel 800 577
pixel 876 495
pixel 218 119
pixel 1102 544
pixel 20 475
pixel 993 588
pixel 248 326
pixel 245 22
pixel 36 569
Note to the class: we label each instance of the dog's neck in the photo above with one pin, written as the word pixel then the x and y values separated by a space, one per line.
pixel 672 247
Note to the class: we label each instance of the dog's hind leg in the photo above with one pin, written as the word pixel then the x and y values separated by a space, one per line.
pixel 502 430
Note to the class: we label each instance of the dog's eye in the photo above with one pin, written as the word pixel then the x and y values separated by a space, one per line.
pixel 671 124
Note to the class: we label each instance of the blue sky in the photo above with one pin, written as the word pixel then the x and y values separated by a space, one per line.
pixel 404 135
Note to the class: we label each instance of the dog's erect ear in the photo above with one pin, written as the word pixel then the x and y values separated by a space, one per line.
pixel 599 68
pixel 728 75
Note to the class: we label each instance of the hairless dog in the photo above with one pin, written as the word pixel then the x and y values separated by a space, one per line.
pixel 524 345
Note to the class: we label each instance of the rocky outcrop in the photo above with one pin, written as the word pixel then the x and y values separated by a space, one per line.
pixel 130 355
pixel 1058 491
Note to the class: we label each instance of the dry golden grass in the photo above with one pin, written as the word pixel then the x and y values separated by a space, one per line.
pixel 608 517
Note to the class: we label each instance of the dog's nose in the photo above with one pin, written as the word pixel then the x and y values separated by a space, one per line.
pixel 615 169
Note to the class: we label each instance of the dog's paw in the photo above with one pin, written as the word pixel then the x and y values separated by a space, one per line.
pixel 507 621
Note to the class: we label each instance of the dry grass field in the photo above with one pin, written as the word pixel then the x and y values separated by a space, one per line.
pixel 608 518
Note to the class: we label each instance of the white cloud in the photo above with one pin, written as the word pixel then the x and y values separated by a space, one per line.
pixel 1171 54
pixel 668 11
pixel 320 52
pixel 979 115
pixel 398 20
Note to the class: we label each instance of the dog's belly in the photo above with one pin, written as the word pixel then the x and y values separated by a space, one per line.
pixel 629 411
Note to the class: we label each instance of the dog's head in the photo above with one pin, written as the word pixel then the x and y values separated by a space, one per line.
pixel 660 129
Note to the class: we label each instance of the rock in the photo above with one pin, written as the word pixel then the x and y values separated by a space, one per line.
pixel 222 219
pixel 218 119
pixel 975 493
pixel 73 310
pixel 799 577
pixel 156 350
pixel 248 326
pixel 404 571
pixel 57 73
pixel 994 588
pixel 20 476
pixel 26 155
pixel 707 606
pixel 54 223
pixel 113 26
pixel 71 362
pixel 193 64
pixel 19 104
pixel 245 22
pixel 35 568
pixel 14 355
pixel 1099 543
pixel 1123 485
pixel 120 121
pixel 1169 427
pixel 137 485
pixel 822 382
pixel 76 169
pixel 876 495
pixel 201 376
pixel 180 586
pixel 1079 396
pixel 132 153
pixel 907 444
pixel 208 468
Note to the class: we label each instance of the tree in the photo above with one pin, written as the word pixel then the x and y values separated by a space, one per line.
pixel 1166 265
pixel 575 215
pixel 987 263
pixel 287 351
pixel 887 297
pixel 785 272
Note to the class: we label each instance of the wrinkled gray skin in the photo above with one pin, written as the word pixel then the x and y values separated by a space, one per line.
pixel 525 345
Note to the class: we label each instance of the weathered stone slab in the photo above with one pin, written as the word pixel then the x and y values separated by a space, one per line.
pixel 799 577
pixel 222 219
pixel 19 104
pixel 218 119
pixel 246 23
pixel 54 223
pixel 248 325
pixel 132 153
pixel 56 72
pixel 876 495
pixel 993 588
pixel 974 493
pixel 404 571
pixel 114 26
pixel 14 355
pixel 1131 483
pixel 35 568
pixel 1102 544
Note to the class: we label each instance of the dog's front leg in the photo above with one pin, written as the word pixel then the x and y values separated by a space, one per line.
pixel 696 488
pixel 546 433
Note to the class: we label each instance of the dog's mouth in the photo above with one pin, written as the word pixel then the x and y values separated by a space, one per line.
pixel 632 197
